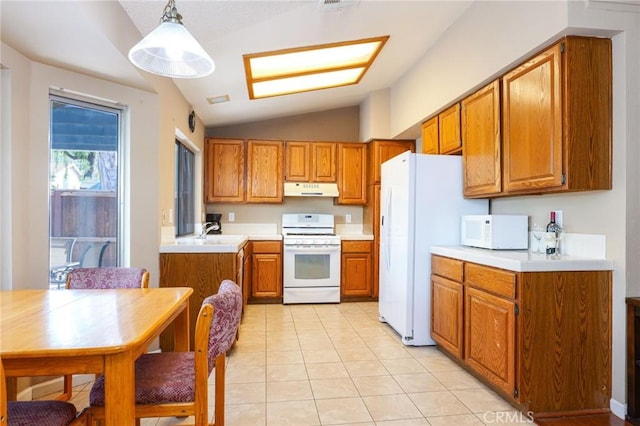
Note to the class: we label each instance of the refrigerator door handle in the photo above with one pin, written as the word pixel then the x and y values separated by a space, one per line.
pixel 387 230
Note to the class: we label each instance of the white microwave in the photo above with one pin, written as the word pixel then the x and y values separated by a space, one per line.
pixel 495 231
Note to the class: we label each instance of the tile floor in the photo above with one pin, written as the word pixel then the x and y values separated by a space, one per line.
pixel 309 365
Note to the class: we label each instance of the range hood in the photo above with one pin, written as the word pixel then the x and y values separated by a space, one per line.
pixel 314 189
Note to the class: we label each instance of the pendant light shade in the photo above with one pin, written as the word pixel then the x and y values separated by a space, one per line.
pixel 170 50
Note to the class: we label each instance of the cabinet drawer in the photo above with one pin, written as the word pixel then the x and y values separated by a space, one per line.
pixel 447 267
pixel 355 246
pixel 497 281
pixel 267 246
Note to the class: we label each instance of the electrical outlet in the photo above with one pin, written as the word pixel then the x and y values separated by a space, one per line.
pixel 559 218
pixel 232 216
pixel 347 218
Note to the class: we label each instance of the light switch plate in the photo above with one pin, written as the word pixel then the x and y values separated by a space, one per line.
pixel 232 216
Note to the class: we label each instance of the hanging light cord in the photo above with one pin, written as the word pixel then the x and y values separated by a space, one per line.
pixel 171 14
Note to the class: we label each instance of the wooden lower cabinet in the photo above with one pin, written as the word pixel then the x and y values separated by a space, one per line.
pixel 201 271
pixel 355 269
pixel 542 340
pixel 266 270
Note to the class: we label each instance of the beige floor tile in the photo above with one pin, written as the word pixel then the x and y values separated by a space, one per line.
pixel 481 400
pixel 391 407
pixel 289 344
pixel 326 370
pixel 405 422
pixel 455 380
pixel 284 357
pixel 377 385
pixel 294 390
pixel 365 368
pixel 279 373
pixel 333 388
pixel 393 351
pixel 320 356
pixel 245 393
pixel 244 374
pixel 292 413
pixel 245 415
pixel 403 366
pixel 439 363
pixel 355 353
pixel 441 403
pixel 458 420
pixel 313 324
pixel 239 358
pixel 342 410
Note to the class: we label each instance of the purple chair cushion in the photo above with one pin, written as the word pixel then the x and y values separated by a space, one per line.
pixel 41 413
pixel 160 377
pixel 170 376
pixel 106 278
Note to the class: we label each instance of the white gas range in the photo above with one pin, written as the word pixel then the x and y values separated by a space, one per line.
pixel 311 264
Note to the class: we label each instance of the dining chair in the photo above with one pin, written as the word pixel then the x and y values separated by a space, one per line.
pixel 102 278
pixel 93 255
pixel 30 413
pixel 175 384
pixel 60 255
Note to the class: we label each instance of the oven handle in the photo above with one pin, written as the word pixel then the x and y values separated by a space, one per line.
pixel 311 249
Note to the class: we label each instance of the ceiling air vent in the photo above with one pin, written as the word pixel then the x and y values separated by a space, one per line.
pixel 337 4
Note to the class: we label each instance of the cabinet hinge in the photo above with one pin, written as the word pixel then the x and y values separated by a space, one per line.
pixel 515 392
pixel 517 309
pixel 563 179
pixel 562 47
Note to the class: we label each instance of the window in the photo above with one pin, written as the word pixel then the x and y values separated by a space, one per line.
pixel 84 186
pixel 185 193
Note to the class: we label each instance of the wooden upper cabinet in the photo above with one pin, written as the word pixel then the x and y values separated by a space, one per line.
pixel 482 174
pixel 430 136
pixel 324 161
pixel 297 161
pixel 557 119
pixel 383 150
pixel 224 170
pixel 310 161
pixel 449 130
pixel 264 171
pixel 352 176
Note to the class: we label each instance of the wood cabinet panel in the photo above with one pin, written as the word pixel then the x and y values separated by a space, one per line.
pixel 489 346
pixel 493 280
pixel 352 177
pixel 324 162
pixel 447 267
pixel 356 274
pixel 546 103
pixel 430 136
pixel 480 128
pixel 264 171
pixel 297 161
pixel 449 130
pixel 266 275
pixel 267 246
pixel 446 314
pixel 565 346
pixel 224 166
pixel 201 271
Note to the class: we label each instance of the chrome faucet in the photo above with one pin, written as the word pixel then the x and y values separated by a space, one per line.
pixel 206 227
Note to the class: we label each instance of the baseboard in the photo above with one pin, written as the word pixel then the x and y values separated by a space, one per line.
pixel 617 408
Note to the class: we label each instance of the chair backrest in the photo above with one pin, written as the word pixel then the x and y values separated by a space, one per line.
pixel 93 255
pixel 61 250
pixel 103 278
pixel 227 310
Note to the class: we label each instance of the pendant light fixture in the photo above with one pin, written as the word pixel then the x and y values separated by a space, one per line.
pixel 170 50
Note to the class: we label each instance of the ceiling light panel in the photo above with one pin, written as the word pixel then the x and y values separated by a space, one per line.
pixel 310 68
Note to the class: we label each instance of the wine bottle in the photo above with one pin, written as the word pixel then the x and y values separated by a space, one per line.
pixel 553 228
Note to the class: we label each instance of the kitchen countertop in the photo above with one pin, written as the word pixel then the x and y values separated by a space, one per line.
pixel 523 260
pixel 222 243
pixel 355 236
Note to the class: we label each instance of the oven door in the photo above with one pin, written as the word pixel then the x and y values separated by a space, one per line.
pixel 311 266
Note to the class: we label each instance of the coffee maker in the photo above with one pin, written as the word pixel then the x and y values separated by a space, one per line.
pixel 215 220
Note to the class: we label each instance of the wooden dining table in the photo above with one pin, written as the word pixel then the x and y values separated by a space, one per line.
pixel 58 332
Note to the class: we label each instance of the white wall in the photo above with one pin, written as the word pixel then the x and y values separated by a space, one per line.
pixel 492 37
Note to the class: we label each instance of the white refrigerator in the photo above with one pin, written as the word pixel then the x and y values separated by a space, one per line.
pixel 421 205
